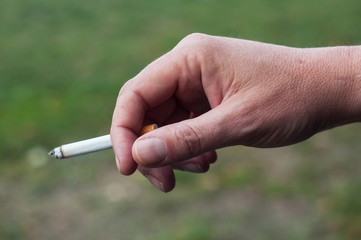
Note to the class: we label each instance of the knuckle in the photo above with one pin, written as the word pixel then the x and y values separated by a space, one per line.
pixel 195 43
pixel 127 85
pixel 195 50
pixel 195 37
pixel 190 138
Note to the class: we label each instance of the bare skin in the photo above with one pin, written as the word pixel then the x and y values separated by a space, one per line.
pixel 210 92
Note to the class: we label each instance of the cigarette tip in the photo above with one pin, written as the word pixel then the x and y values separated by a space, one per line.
pixel 52 153
pixel 56 153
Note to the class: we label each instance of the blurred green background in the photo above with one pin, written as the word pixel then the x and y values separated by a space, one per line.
pixel 62 63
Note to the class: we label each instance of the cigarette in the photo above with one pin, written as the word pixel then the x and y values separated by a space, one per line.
pixel 89 145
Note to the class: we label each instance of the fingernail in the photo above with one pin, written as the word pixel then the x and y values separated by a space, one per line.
pixel 117 162
pixel 155 182
pixel 191 167
pixel 150 151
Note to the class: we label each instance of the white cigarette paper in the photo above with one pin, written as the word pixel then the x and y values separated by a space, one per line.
pixel 89 145
pixel 82 147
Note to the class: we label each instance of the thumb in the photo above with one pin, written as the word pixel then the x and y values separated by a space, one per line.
pixel 183 140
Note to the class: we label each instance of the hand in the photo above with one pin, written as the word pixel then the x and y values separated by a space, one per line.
pixel 211 92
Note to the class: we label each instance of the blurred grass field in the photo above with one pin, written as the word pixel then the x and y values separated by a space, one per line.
pixel 62 64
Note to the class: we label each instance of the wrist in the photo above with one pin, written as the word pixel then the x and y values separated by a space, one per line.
pixel 333 81
pixel 356 69
pixel 348 60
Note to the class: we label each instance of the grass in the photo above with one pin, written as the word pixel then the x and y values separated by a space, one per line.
pixel 62 64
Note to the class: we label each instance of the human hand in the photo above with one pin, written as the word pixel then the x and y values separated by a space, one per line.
pixel 211 92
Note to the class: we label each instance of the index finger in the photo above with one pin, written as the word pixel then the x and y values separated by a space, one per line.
pixel 152 86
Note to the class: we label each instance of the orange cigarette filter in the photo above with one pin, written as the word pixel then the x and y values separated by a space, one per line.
pixel 148 128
